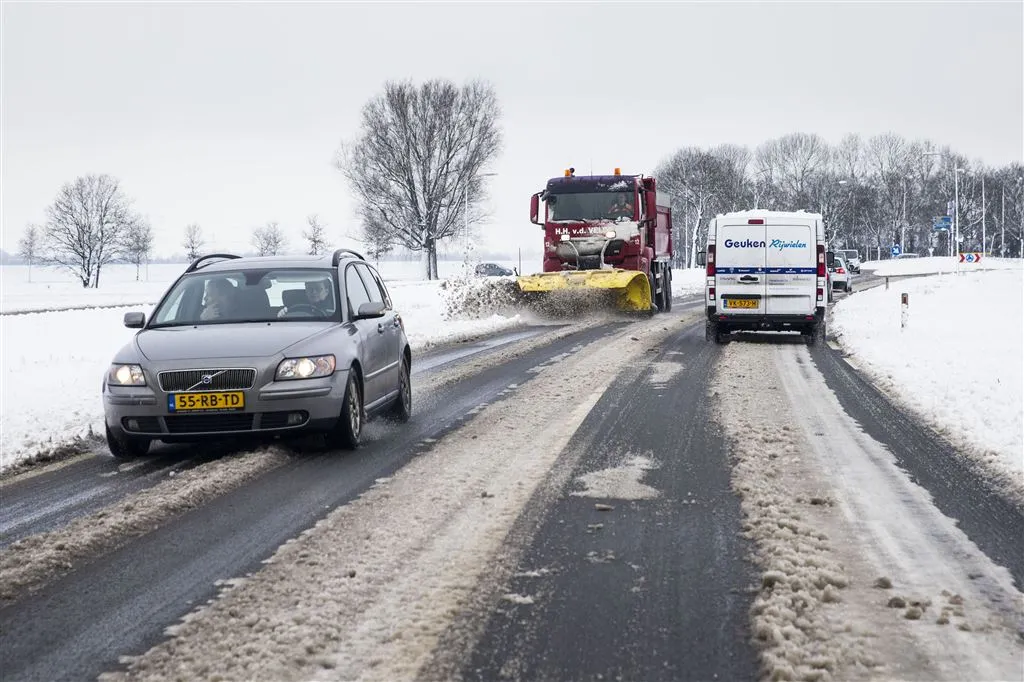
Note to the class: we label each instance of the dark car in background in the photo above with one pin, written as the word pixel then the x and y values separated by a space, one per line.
pixel 493 270
pixel 262 346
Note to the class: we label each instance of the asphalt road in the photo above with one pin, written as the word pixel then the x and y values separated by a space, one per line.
pixel 652 589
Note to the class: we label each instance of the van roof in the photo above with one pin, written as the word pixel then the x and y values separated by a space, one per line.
pixel 759 213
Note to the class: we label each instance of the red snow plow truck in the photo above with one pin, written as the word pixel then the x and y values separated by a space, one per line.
pixel 607 235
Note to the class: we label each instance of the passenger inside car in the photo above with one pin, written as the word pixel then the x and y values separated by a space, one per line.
pixel 220 294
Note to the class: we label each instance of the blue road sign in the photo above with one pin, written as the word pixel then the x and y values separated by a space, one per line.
pixel 895 250
pixel 942 222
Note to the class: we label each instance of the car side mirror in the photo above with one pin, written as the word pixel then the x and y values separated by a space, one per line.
pixel 370 310
pixel 135 320
pixel 830 258
pixel 702 258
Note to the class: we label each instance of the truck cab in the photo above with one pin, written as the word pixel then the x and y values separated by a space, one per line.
pixel 766 271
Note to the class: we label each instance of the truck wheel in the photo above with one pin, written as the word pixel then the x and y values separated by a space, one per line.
pixel 668 290
pixel 657 299
pixel 710 331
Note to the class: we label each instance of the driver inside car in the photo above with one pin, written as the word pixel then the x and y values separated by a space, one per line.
pixel 318 293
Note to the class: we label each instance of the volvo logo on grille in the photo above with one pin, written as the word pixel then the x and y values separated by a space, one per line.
pixel 205 380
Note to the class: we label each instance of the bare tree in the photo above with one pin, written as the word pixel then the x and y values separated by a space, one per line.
pixel 85 226
pixel 29 245
pixel 420 152
pixel 698 180
pixel 193 241
pixel 375 237
pixel 269 240
pixel 795 160
pixel 316 237
pixel 138 244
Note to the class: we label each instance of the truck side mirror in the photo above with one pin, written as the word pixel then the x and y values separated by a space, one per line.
pixel 702 258
pixel 535 208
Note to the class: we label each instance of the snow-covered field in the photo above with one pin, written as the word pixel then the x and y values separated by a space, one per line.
pixel 959 361
pixel 53 360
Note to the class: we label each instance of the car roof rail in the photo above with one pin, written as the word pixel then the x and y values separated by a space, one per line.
pixel 343 253
pixel 199 261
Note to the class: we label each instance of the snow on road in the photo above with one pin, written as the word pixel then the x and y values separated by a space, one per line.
pixel 367 593
pixel 958 362
pixel 862 576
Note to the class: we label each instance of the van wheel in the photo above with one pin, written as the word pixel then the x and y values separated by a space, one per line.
pixel 815 334
pixel 710 331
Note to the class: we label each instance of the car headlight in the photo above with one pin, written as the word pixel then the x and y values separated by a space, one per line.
pixel 305 368
pixel 126 375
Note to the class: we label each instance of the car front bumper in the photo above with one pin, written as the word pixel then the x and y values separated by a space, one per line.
pixel 275 407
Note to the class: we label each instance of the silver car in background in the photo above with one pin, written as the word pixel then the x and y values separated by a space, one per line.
pixel 268 346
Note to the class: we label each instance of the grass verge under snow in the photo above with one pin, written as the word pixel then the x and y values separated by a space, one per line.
pixel 959 362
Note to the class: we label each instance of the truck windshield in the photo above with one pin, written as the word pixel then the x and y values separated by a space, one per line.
pixel 591 206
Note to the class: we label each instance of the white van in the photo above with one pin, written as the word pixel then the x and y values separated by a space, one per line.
pixel 766 271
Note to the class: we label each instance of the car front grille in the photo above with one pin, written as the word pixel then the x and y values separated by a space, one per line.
pixel 219 379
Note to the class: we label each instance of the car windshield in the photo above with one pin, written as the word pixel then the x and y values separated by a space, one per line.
pixel 250 295
pixel 591 206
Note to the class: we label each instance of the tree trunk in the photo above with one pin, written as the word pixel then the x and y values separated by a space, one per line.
pixel 432 255
pixel 96 281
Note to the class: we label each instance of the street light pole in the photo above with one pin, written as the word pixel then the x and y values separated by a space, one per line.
pixel 983 233
pixel 956 218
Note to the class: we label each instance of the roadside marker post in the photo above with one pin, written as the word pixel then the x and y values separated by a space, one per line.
pixel 905 310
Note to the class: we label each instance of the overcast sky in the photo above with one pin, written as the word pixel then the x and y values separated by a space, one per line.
pixel 229 115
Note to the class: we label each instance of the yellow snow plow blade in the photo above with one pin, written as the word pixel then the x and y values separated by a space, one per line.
pixel 631 289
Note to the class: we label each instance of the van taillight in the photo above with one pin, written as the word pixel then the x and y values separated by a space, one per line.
pixel 821 261
pixel 711 292
pixel 711 260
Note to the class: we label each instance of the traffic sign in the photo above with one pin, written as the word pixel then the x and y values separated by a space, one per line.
pixel 895 250
pixel 942 222
pixel 970 257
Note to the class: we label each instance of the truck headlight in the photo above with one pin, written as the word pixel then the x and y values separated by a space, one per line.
pixel 126 375
pixel 305 368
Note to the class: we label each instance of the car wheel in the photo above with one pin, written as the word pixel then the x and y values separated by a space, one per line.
pixel 126 447
pixel 402 409
pixel 349 428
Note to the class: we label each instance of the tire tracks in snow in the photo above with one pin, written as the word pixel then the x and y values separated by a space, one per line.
pixel 862 577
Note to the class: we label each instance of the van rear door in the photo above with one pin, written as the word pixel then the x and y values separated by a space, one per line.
pixel 791 269
pixel 740 268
